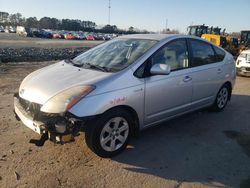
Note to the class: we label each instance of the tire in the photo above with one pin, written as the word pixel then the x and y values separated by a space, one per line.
pixel 222 98
pixel 108 135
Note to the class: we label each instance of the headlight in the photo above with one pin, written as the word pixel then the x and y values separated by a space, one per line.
pixel 66 99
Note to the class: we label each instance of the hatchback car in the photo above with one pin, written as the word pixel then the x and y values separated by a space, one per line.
pixel 122 86
pixel 243 63
pixel 69 36
pixel 90 37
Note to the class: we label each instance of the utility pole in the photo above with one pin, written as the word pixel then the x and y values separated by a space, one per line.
pixel 166 25
pixel 109 13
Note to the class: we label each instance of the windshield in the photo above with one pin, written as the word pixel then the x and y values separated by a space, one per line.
pixel 192 31
pixel 114 55
pixel 197 30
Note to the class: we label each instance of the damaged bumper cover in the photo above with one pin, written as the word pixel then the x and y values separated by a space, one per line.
pixel 59 127
pixel 27 118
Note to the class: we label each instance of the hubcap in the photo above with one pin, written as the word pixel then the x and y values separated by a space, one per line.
pixel 114 134
pixel 222 97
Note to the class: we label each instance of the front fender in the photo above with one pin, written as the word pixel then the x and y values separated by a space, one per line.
pixel 98 104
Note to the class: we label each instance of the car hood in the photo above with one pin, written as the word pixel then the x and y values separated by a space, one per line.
pixel 45 83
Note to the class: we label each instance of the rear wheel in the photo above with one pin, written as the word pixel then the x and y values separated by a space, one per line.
pixel 109 134
pixel 221 98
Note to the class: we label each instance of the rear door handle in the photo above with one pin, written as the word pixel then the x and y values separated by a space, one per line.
pixel 138 90
pixel 187 79
pixel 219 71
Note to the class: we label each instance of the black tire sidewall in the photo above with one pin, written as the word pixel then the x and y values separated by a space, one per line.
pixel 93 131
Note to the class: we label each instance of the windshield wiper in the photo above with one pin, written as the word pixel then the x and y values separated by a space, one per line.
pixel 72 62
pixel 93 66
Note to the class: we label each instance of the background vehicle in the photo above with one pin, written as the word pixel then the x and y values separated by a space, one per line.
pixel 99 36
pixel 45 34
pixel 222 39
pixel 80 36
pixel 69 36
pixel 245 37
pixel 9 29
pixel 6 30
pixel 244 40
pixel 243 63
pixel 32 32
pixel 1 29
pixel 21 31
pixel 125 85
pixel 214 35
pixel 197 30
pixel 216 39
pixel 12 29
pixel 90 37
pixel 57 35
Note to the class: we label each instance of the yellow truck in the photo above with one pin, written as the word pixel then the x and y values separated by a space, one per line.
pixel 214 35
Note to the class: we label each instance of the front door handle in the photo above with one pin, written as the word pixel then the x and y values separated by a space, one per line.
pixel 187 79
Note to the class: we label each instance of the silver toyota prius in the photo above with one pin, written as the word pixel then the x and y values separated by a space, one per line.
pixel 122 86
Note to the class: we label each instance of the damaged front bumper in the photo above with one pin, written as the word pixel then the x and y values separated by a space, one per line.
pixel 26 118
pixel 59 128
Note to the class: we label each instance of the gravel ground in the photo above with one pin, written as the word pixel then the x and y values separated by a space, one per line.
pixel 38 54
pixel 14 48
pixel 201 149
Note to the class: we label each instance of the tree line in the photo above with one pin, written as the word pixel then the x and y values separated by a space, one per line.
pixel 64 24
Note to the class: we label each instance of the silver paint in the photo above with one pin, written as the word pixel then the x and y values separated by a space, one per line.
pixel 154 99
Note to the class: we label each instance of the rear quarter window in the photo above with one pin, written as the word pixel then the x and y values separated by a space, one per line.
pixel 219 53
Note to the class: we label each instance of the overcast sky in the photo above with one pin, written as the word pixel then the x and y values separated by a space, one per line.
pixel 234 15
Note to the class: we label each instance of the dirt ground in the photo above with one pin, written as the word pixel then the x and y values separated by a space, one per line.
pixel 201 149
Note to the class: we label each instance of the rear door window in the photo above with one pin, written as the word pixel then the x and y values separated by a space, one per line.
pixel 202 53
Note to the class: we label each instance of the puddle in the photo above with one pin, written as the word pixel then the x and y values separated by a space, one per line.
pixel 242 139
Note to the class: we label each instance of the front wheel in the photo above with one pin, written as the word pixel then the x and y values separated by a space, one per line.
pixel 109 134
pixel 221 98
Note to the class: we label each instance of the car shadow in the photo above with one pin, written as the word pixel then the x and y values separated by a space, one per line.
pixel 202 146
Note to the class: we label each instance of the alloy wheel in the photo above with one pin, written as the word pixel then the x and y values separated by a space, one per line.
pixel 222 97
pixel 114 134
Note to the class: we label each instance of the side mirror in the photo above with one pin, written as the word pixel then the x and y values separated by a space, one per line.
pixel 160 69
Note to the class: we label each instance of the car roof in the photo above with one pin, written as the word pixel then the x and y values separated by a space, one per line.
pixel 164 37
pixel 157 37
